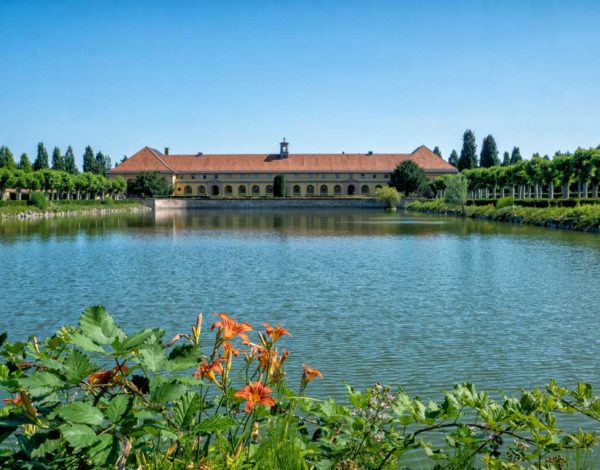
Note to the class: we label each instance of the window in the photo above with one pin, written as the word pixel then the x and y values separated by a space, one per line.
pixel 364 189
pixel 310 189
pixel 324 190
pixel 337 176
pixel 203 176
pixel 201 189
pixel 242 190
pixel 255 190
pixel 178 189
pixel 193 177
pixel 296 190
pixel 187 191
pixel 269 189
pixel 228 190
pixel 362 175
pixel 374 176
pixel 337 189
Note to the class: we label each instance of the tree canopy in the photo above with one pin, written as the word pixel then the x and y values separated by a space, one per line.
pixel 408 178
pixel 453 160
pixel 149 184
pixel 468 153
pixel 41 160
pixel 489 153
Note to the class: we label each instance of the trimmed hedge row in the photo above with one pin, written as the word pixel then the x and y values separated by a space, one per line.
pixel 572 202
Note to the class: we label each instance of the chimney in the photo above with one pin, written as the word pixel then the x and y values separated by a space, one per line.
pixel 370 152
pixel 283 149
pixel 199 154
pixel 166 150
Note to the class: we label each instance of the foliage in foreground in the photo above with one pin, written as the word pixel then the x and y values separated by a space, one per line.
pixel 94 397
pixel 389 195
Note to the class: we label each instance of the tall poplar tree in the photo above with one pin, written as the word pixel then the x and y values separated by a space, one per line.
pixel 489 153
pixel 437 151
pixel 6 158
pixel 89 162
pixel 58 163
pixel 468 153
pixel 506 159
pixel 25 163
pixel 41 160
pixel 515 156
pixel 103 163
pixel 70 165
pixel 453 160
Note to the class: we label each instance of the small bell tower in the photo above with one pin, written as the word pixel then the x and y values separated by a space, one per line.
pixel 283 149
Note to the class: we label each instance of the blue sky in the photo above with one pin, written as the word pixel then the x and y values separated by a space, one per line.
pixel 331 76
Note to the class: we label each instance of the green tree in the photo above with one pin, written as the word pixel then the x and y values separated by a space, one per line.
pixel 41 160
pixel 456 191
pixel 408 178
pixel 7 180
pixel 506 159
pixel 89 162
pixel 515 156
pixel 21 182
pixel 468 153
pixel 489 153
pixel 6 158
pixel 279 186
pixel 25 164
pixel 58 162
pixel 389 195
pixel 118 185
pixel 70 165
pixel 149 184
pixel 102 164
pixel 453 160
pixel 437 151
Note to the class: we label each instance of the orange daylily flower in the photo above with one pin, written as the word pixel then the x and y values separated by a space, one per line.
pixel 13 401
pixel 275 332
pixel 309 374
pixel 255 394
pixel 104 377
pixel 207 370
pixel 231 328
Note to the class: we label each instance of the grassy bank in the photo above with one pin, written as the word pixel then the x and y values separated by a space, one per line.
pixel 584 217
pixel 21 209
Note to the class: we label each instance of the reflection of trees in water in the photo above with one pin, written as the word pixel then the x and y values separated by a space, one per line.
pixel 291 222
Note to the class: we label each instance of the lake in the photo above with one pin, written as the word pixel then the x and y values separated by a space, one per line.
pixel 403 299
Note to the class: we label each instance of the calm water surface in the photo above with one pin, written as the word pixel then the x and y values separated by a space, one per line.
pixel 417 301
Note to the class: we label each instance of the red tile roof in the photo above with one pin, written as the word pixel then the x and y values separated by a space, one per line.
pixel 149 159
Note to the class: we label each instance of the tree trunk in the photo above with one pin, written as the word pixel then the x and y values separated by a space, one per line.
pixel 585 190
pixel 595 190
pixel 551 191
pixel 566 191
pixel 502 191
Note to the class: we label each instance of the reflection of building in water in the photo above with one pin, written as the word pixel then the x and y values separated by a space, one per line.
pixel 253 175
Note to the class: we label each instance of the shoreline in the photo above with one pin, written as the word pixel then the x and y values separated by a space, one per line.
pixel 36 214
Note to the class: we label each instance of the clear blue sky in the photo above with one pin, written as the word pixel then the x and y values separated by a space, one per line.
pixel 226 77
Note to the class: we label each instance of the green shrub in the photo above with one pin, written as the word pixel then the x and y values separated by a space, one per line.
pixel 389 195
pixel 107 202
pixel 505 202
pixel 11 203
pixel 39 200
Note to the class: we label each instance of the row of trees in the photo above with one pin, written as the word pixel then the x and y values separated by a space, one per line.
pixel 538 177
pixel 58 184
pixel 97 163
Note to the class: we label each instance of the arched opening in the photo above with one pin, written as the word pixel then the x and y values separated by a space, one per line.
pixel 337 189
pixel 242 190
pixel 351 190
pixel 215 190
pixel 296 190
pixel 364 189
pixel 324 190
pixel 255 190
pixel 228 190
pixel 269 189
pixel 187 190
pixel 201 190
pixel 310 190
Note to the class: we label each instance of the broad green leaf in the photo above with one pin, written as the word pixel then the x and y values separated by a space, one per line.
pixel 81 413
pixel 138 339
pixel 85 343
pixel 46 447
pixel 213 424
pixel 168 392
pixel 78 435
pixel 40 383
pixel 77 366
pixel 3 337
pixel 154 356
pixel 97 324
pixel 185 410
pixel 117 408
pixel 4 372
pixel 105 452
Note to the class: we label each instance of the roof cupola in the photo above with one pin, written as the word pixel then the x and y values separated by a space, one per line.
pixel 283 149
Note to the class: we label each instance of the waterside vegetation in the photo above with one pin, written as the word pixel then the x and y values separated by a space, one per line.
pixel 93 396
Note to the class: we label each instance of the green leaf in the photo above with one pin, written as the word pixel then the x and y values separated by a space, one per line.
pixel 138 339
pixel 4 372
pixel 78 435
pixel 104 454
pixel 46 447
pixel 3 337
pixel 185 410
pixel 168 392
pixel 77 366
pixel 40 383
pixel 81 413
pixel 85 343
pixel 97 324
pixel 154 356
pixel 213 424
pixel 117 408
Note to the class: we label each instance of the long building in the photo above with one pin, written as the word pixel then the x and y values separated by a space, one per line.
pixel 252 175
